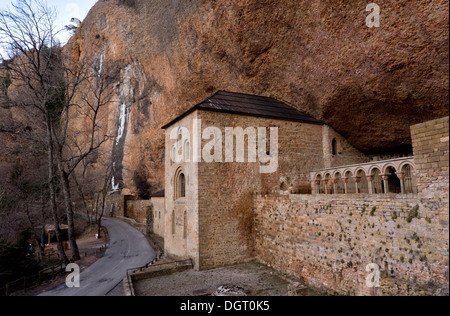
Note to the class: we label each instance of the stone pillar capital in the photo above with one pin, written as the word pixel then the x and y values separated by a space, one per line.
pixel 357 179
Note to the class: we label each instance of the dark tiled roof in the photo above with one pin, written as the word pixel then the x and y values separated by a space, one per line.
pixel 245 104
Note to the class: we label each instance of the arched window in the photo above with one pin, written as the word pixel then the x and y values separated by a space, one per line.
pixel 351 186
pixel 394 185
pixel 318 185
pixel 328 184
pixel 410 185
pixel 334 147
pixel 377 182
pixel 182 185
pixel 173 154
pixel 179 185
pixel 187 151
pixel 363 185
pixel 340 188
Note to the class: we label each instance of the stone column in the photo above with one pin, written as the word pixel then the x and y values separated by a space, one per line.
pixel 386 183
pixel 401 176
pixel 370 183
pixel 346 185
pixel 357 181
pixel 325 182
pixel 314 186
pixel 318 186
pixel 335 185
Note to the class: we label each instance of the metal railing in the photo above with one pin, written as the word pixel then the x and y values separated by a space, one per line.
pixel 25 283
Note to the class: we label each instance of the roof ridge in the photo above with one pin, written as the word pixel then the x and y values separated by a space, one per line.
pixel 249 94
pixel 248 104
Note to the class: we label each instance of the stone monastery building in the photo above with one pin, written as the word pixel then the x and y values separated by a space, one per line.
pixel 208 203
pixel 301 199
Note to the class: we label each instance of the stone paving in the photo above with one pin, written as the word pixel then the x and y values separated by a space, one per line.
pixel 254 278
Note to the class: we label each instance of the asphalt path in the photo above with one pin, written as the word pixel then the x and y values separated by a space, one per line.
pixel 128 248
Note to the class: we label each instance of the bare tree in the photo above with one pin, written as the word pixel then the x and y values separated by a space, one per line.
pixel 101 200
pixel 71 152
pixel 23 182
pixel 28 35
pixel 50 82
pixel 84 189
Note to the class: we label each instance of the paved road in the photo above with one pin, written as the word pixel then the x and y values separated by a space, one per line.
pixel 128 249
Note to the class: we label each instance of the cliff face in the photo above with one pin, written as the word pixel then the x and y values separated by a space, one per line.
pixel 370 84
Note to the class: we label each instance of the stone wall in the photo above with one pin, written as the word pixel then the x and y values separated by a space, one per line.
pixel 159 213
pixel 431 155
pixel 181 218
pixel 328 240
pixel 116 204
pixel 226 190
pixel 138 210
pixel 150 212
pixel 345 153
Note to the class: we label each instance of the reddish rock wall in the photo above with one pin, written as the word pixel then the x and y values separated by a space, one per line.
pixel 319 56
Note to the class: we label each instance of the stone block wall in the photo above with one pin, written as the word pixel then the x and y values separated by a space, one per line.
pixel 138 210
pixel 345 153
pixel 181 215
pixel 328 241
pixel 150 212
pixel 159 213
pixel 431 156
pixel 116 204
pixel 226 190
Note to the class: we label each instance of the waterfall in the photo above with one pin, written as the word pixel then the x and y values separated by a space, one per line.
pixel 114 186
pixel 122 121
pixel 100 67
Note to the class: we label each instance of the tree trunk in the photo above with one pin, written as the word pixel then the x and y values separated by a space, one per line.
pixel 104 193
pixel 69 210
pixel 53 205
pixel 38 242
pixel 43 227
pixel 99 228
pixel 82 196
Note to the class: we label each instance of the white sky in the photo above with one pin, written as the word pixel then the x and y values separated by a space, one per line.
pixel 67 9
